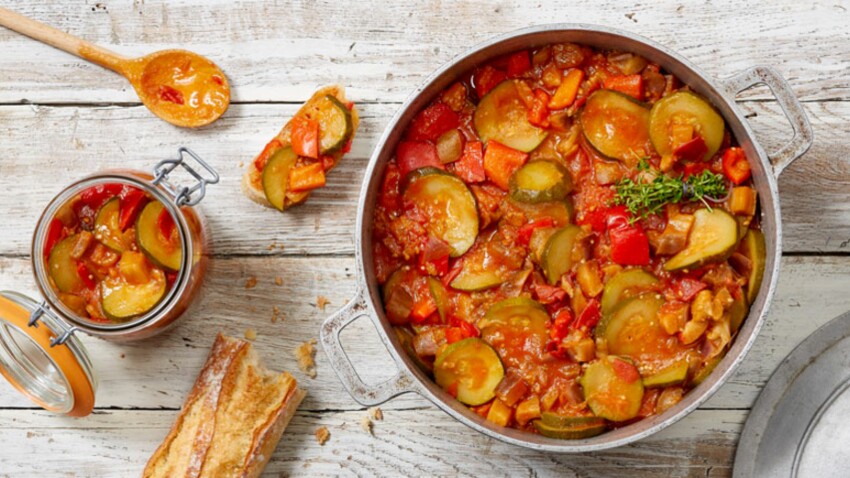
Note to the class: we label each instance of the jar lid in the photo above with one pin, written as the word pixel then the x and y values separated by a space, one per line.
pixel 40 356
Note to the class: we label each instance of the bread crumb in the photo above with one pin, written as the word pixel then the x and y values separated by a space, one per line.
pixel 366 424
pixel 278 281
pixel 323 435
pixel 306 353
pixel 251 283
pixel 250 334
pixel 241 164
pixel 122 355
pixel 375 413
pixel 321 302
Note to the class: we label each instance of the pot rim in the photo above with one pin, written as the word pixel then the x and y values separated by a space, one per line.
pixel 411 379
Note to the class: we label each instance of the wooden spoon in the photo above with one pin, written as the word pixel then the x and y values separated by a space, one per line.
pixel 179 86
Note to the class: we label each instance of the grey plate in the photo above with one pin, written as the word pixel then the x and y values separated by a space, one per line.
pixel 798 426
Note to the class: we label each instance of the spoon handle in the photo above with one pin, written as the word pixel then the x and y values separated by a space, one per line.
pixel 63 41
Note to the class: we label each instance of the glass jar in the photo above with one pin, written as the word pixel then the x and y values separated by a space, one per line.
pixel 39 354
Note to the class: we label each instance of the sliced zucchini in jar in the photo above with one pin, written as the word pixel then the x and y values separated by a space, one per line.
pixel 472 281
pixel 517 313
pixel 158 238
pixel 276 177
pixel 62 266
pixel 335 123
pixel 502 116
pixel 633 329
pixel 752 247
pixel 583 427
pixel 557 255
pixel 616 125
pixel 540 181
pixel 713 237
pixel 688 109
pixel 625 281
pixel 674 374
pixel 469 369
pixel 613 388
pixel 121 301
pixel 107 227
pixel 448 204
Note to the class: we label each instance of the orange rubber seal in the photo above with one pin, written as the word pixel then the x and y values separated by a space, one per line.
pixel 62 356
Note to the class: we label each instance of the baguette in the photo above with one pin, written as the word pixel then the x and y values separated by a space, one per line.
pixel 232 419
pixel 252 181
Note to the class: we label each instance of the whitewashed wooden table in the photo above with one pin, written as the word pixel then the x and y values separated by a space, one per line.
pixel 61 118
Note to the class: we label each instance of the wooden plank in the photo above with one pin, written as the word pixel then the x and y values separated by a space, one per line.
pixel 46 148
pixel 405 443
pixel 159 372
pixel 279 51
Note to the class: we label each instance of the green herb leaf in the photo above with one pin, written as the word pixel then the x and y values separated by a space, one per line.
pixel 643 198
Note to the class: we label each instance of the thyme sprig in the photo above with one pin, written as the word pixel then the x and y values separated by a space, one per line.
pixel 644 198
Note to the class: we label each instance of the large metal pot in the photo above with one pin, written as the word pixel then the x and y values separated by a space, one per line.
pixel 766 169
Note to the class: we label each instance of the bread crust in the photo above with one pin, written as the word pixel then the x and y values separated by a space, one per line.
pixel 203 440
pixel 252 185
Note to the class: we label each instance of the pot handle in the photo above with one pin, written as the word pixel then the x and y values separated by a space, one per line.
pixel 366 395
pixel 793 109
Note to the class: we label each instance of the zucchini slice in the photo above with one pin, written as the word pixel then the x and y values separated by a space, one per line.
pixel 616 125
pixel 122 301
pixel 557 255
pixel 447 203
pixel 618 288
pixel 685 108
pixel 633 329
pixel 561 212
pixel 107 229
pixel 163 251
pixel 472 281
pixel 62 267
pixel 540 181
pixel 713 237
pixel 556 420
pixel 441 297
pixel 737 313
pixel 674 374
pixel 706 369
pixel 276 177
pixel 471 369
pixel 752 247
pixel 575 428
pixel 607 394
pixel 335 123
pixel 517 313
pixel 502 116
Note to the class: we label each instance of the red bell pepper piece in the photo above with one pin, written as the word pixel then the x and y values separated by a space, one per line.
pixel 693 150
pixel 466 329
pixel 685 288
pixel 695 168
pixel 170 279
pixel 412 155
pixel 629 242
pixel 538 114
pixel 132 200
pixel 736 166
pixel 501 161
pixel 596 218
pixel 631 85
pixel 518 64
pixel 436 253
pixel 560 325
pixel 86 275
pixel 470 166
pixel 263 158
pixel 526 230
pixel 626 371
pixel 95 196
pixel 307 177
pixel 55 233
pixel 305 137
pixel 486 78
pixel 423 309
pixel 547 294
pixel 433 121
pixel 589 317
pixel 165 223
pixel 454 334
pixel 171 95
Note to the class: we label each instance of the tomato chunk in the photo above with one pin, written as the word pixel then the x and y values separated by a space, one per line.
pixel 412 155
pixel 500 163
pixel 470 166
pixel 518 64
pixel 432 122
pixel 485 79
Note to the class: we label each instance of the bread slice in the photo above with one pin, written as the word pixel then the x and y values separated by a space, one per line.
pixel 232 419
pixel 252 181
